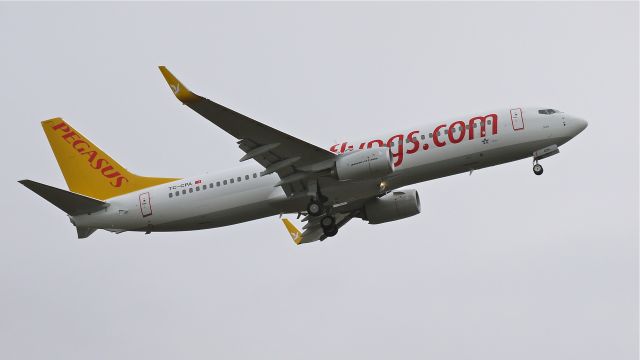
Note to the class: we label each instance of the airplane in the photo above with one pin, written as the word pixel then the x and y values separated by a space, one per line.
pixel 363 179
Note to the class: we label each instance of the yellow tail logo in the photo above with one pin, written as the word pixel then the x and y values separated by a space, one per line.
pixel 295 234
pixel 87 169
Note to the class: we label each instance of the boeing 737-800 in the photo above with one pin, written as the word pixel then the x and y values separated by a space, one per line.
pixel 352 179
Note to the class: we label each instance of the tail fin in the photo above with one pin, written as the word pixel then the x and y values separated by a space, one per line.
pixel 87 169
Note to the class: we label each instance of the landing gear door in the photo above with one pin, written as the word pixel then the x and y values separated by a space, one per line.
pixel 145 204
pixel 516 119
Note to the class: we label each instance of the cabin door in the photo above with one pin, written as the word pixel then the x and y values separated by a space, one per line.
pixel 516 119
pixel 145 204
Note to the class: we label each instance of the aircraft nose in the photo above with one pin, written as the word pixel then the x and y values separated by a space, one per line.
pixel 581 124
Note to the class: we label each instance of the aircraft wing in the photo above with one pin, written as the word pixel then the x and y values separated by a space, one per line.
pixel 312 229
pixel 277 151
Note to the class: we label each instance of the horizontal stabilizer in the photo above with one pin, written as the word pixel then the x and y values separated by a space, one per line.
pixel 71 203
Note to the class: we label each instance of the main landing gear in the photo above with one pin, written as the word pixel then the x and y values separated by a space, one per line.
pixel 329 226
pixel 314 208
pixel 537 168
pixel 328 222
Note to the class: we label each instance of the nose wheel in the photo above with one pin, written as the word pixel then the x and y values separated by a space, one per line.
pixel 537 168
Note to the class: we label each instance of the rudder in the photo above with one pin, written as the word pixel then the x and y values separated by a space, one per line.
pixel 87 169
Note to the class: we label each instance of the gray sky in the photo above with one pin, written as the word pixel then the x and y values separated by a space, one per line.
pixel 500 265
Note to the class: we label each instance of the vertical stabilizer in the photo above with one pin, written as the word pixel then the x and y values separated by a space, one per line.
pixel 87 169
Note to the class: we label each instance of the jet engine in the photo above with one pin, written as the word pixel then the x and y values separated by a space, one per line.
pixel 396 205
pixel 365 164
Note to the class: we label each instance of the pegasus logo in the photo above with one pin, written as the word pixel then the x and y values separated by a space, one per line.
pixel 94 158
pixel 175 88
pixel 295 236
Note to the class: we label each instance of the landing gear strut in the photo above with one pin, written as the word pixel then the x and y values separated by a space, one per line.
pixel 537 168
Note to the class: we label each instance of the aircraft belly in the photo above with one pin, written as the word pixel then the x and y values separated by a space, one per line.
pixel 223 217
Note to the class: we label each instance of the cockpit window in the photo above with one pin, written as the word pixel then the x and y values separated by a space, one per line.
pixel 548 111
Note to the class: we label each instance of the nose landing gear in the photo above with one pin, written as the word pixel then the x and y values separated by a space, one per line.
pixel 537 168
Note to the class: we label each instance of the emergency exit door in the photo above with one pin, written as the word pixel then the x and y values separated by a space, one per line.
pixel 145 204
pixel 516 119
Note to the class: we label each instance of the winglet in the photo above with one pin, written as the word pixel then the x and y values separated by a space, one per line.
pixel 296 235
pixel 179 90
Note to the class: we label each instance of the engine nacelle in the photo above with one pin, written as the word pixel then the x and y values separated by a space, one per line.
pixel 396 205
pixel 365 164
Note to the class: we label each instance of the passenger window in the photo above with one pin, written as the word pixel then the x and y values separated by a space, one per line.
pixel 177 193
pixel 246 177
pixel 231 180
pixel 210 185
pixel 197 188
pixel 255 175
pixel 489 122
pixel 184 192
pixel 453 130
pixel 218 183
pixel 430 135
pixel 446 131
pixel 422 136
pixel 239 178
pixel 170 195
pixel 475 125
pixel 224 182
pixel 204 186
pixel 190 190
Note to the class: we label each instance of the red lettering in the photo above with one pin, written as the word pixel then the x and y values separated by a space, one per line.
pixel 99 163
pixel 78 142
pixel 483 123
pixel 399 154
pixel 334 148
pixel 461 126
pixel 343 147
pixel 436 132
pixel 69 135
pixel 379 142
pixel 414 141
pixel 92 155
pixel 112 174
pixel 118 181
pixel 61 126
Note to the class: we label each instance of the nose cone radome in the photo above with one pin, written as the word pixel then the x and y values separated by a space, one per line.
pixel 581 124
pixel 576 124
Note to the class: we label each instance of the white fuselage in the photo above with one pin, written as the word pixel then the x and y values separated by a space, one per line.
pixel 241 194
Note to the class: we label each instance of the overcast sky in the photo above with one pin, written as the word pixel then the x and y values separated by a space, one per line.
pixel 502 264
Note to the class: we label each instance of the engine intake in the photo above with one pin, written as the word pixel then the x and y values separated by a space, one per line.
pixel 365 164
pixel 396 205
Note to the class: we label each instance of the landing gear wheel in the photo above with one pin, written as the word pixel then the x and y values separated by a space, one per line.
pixel 330 231
pixel 537 169
pixel 314 208
pixel 327 222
